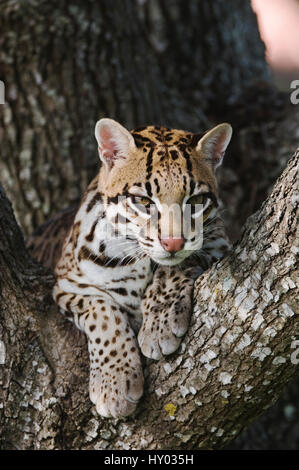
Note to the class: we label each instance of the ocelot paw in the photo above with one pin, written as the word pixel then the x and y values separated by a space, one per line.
pixel 166 307
pixel 116 390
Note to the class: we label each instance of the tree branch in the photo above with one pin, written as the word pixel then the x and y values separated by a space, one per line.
pixel 233 363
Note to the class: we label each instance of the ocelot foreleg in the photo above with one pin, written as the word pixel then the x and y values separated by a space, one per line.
pixel 116 377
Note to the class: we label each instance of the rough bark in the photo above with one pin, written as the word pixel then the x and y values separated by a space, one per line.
pixel 200 48
pixel 233 363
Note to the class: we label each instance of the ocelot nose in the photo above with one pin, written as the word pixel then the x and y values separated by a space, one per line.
pixel 172 244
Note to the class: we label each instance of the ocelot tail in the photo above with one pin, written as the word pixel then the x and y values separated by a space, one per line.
pixel 125 260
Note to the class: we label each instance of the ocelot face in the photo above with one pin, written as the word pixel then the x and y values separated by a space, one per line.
pixel 167 224
pixel 160 185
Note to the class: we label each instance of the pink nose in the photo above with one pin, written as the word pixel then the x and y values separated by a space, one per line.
pixel 172 244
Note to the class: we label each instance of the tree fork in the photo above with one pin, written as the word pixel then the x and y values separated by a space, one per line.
pixel 232 365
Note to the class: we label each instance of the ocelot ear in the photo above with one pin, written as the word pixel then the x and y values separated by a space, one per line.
pixel 214 143
pixel 115 142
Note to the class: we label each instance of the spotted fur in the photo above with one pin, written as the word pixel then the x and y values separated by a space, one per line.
pixel 107 286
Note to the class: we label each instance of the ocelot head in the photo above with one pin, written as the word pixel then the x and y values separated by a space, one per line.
pixel 159 185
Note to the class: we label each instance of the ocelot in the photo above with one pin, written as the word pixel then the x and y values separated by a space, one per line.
pixel 125 260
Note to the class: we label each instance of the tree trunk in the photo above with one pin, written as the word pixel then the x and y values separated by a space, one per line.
pixel 65 64
pixel 200 47
pixel 238 354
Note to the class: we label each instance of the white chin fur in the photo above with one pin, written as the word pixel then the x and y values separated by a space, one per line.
pixel 168 261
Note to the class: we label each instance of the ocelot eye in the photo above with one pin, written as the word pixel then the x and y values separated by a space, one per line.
pixel 198 199
pixel 142 200
pixel 201 204
pixel 141 204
